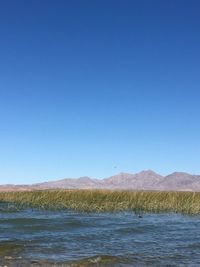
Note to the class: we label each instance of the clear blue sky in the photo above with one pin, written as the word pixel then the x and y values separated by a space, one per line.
pixel 97 87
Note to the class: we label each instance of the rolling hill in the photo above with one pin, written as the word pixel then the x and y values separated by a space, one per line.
pixel 144 180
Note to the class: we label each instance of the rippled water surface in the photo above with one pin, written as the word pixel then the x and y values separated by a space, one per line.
pixel 107 239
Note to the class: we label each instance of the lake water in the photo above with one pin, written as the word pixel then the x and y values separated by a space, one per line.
pixel 67 238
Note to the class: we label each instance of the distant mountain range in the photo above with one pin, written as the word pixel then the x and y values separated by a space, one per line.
pixel 144 180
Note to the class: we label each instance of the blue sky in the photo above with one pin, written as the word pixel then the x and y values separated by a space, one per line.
pixel 98 87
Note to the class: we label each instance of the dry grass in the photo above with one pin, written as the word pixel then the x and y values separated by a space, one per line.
pixel 107 201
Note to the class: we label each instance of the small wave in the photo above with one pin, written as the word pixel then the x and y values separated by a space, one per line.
pixel 98 261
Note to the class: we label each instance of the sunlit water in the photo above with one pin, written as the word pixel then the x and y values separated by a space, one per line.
pixel 122 239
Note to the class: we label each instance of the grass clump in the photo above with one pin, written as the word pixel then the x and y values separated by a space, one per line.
pixel 107 201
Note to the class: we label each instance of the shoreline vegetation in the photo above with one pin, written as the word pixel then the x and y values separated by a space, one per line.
pixel 105 201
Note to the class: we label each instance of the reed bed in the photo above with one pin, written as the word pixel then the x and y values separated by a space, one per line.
pixel 106 201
